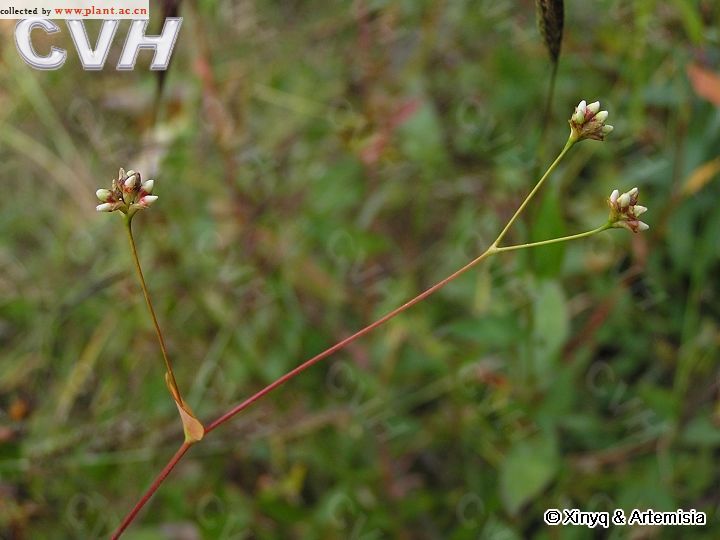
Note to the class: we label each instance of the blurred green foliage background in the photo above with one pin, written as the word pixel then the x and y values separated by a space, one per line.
pixel 318 163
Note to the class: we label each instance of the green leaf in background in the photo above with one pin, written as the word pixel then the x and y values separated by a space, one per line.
pixel 701 432
pixel 681 226
pixel 548 222
pixel 421 138
pixel 551 326
pixel 499 531
pixel 527 469
pixel 649 488
pixel 488 331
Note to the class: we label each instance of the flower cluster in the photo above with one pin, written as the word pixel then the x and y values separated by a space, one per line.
pixel 624 211
pixel 588 122
pixel 127 193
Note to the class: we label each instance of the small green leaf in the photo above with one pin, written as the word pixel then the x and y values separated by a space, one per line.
pixel 701 432
pixel 421 138
pixel 527 469
pixel 551 326
pixel 489 331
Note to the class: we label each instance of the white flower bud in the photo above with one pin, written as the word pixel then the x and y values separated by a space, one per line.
pixel 607 128
pixel 579 115
pixel 105 207
pixel 147 200
pixel 642 226
pixel 147 187
pixel 594 107
pixel 633 192
pixel 601 116
pixel 614 196
pixel 639 210
pixel 104 195
pixel 623 201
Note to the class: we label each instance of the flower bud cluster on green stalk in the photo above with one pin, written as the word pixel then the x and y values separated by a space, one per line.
pixel 625 211
pixel 128 194
pixel 588 122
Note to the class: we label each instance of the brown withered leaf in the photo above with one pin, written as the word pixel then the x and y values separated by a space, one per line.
pixel 701 176
pixel 705 83
pixel 193 428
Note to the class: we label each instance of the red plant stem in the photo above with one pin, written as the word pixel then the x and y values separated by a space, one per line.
pixel 289 375
pixel 317 358
pixel 151 490
pixel 344 343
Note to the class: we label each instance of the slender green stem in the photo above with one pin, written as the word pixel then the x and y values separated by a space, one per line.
pixel 570 142
pixel 171 375
pixel 554 240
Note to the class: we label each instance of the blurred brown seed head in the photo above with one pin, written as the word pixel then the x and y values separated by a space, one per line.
pixel 550 17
